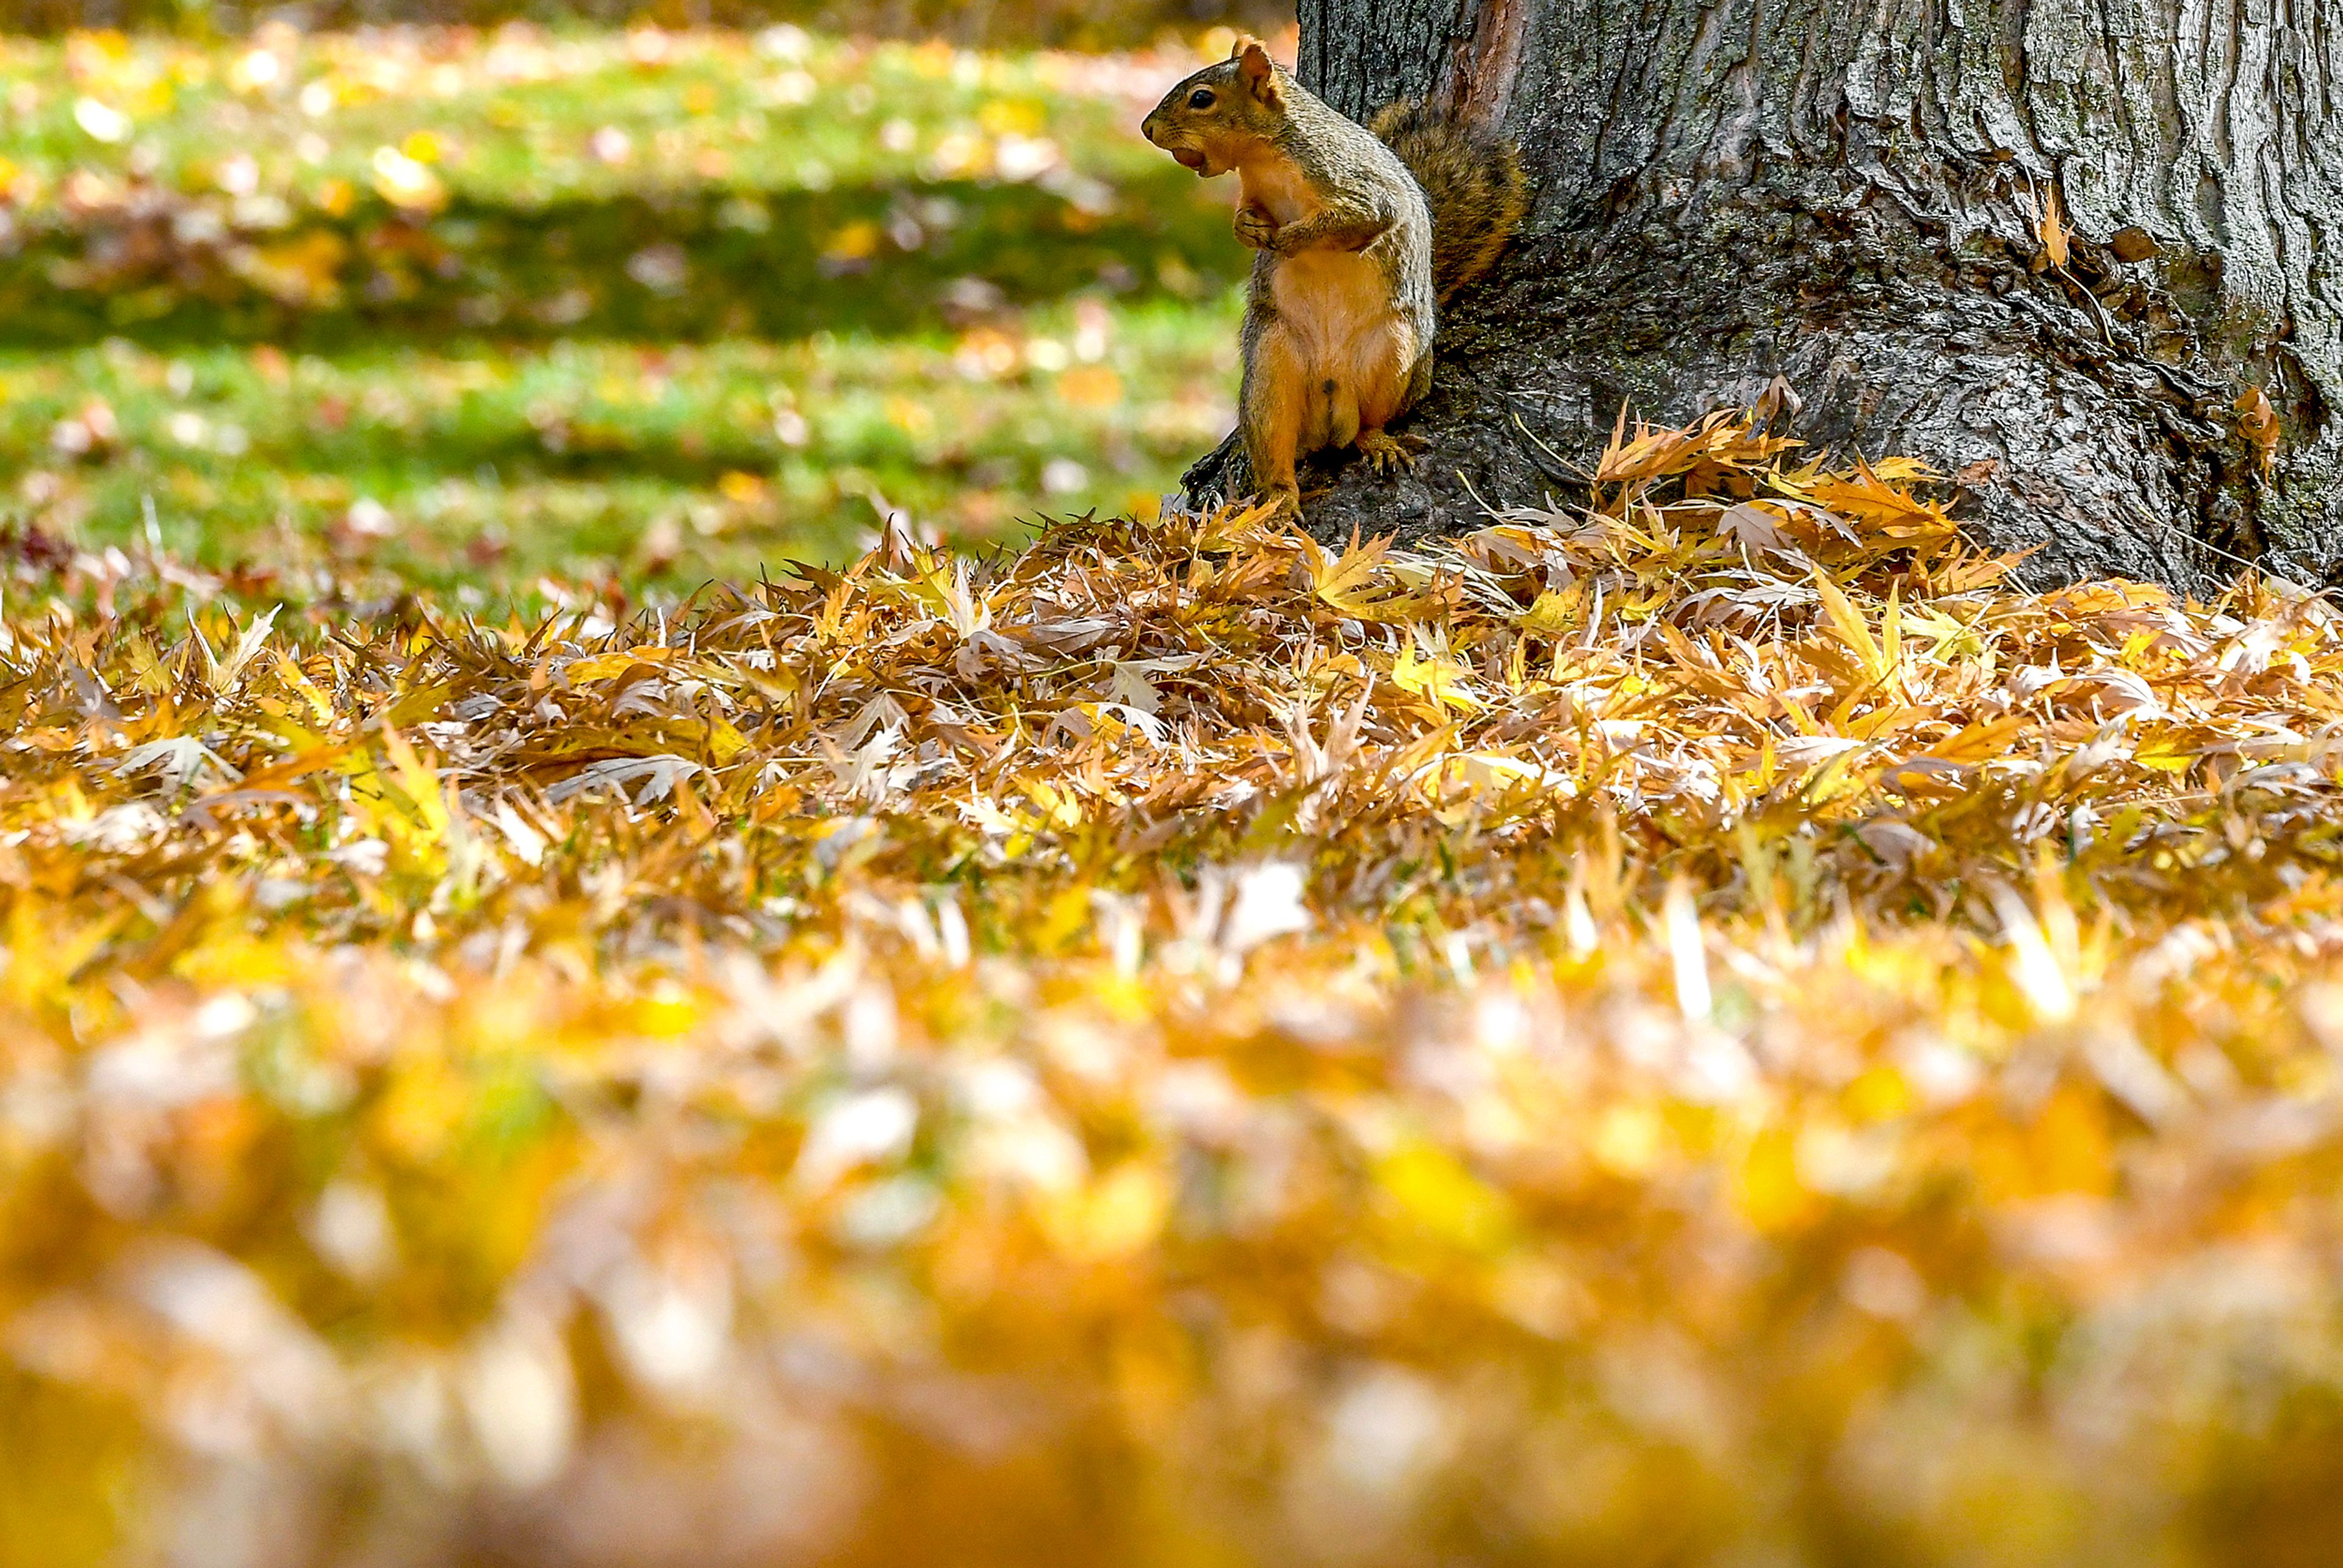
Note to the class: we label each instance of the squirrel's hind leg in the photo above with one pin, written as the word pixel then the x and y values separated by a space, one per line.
pixel 1274 402
pixel 1387 453
pixel 1391 379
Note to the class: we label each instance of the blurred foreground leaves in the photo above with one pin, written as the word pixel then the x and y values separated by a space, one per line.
pixel 1708 1028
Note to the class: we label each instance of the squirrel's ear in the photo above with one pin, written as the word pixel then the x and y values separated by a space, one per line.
pixel 1255 66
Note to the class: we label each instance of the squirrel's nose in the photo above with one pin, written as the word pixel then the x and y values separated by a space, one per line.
pixel 1147 127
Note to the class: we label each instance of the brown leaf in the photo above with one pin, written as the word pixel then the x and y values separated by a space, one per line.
pixel 2257 422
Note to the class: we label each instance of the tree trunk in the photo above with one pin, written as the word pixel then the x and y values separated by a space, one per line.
pixel 1857 195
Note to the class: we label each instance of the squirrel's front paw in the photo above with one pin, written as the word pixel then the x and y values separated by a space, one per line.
pixel 1255 227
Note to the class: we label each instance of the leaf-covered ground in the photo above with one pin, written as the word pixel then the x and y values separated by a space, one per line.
pixel 1706 1027
pixel 464 308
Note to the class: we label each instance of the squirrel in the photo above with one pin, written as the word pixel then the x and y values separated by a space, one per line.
pixel 1363 232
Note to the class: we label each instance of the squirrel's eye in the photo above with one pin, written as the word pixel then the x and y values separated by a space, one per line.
pixel 1201 98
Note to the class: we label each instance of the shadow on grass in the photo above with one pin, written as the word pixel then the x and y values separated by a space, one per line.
pixel 697 265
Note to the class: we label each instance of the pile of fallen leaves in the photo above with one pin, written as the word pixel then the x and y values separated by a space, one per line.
pixel 1701 1025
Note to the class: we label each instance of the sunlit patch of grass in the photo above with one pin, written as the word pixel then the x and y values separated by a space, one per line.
pixel 441 308
pixel 534 186
pixel 514 117
pixel 661 464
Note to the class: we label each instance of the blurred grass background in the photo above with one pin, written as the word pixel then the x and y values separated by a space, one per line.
pixel 467 307
pixel 1094 24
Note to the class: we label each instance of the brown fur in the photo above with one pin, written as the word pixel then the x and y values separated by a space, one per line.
pixel 1474 184
pixel 1339 322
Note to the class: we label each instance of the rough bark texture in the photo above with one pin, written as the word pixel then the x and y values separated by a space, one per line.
pixel 1849 194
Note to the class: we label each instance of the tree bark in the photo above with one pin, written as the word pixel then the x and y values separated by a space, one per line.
pixel 1856 196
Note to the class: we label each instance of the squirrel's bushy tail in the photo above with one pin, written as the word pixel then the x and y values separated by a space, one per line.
pixel 1473 182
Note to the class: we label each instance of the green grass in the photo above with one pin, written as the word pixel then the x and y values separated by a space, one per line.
pixel 592 457
pixel 468 312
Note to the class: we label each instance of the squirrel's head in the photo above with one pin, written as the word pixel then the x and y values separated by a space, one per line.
pixel 1207 121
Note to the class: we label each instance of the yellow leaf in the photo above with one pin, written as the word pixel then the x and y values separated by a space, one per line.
pixel 1115 1217
pixel 1554 615
pixel 725 740
pixel 1443 1199
pixel 1437 679
pixel 1349 582
pixel 2051 229
pixel 605 666
pixel 1852 628
pixel 1767 1189
pixel 417 780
